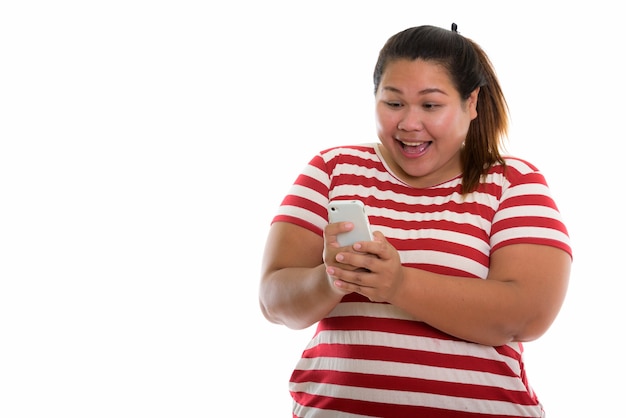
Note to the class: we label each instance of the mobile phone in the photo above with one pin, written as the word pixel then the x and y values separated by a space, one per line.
pixel 350 211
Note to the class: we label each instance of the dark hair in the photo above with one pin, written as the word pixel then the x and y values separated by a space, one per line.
pixel 469 68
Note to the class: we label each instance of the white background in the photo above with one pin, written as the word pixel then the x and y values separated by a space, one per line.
pixel 146 145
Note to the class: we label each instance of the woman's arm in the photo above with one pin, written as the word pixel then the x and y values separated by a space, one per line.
pixel 295 290
pixel 518 301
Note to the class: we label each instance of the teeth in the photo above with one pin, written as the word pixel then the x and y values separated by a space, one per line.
pixel 412 144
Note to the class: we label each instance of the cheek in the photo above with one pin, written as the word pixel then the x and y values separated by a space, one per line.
pixel 385 123
pixel 380 127
pixel 452 124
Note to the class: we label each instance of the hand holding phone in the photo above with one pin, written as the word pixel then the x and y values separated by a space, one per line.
pixel 350 211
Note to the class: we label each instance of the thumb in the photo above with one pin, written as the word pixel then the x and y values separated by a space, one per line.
pixel 378 236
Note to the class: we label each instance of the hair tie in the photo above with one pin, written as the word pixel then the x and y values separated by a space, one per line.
pixel 454 28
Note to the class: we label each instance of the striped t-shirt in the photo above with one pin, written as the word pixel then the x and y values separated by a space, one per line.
pixel 371 359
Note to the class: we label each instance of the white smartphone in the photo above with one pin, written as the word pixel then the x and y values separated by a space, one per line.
pixel 350 211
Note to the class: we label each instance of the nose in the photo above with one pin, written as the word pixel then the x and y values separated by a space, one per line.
pixel 411 120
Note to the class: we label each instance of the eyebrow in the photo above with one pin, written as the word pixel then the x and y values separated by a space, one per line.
pixel 421 92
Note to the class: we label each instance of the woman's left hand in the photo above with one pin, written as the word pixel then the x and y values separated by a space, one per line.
pixel 377 271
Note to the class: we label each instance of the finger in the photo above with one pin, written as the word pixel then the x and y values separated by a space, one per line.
pixel 333 229
pixel 347 287
pixel 378 247
pixel 357 259
pixel 351 278
pixel 339 227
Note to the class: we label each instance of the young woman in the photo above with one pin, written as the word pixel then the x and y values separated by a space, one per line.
pixel 470 256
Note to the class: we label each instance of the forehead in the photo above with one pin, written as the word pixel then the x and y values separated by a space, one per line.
pixel 404 74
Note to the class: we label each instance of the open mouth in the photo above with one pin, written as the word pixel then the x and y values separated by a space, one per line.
pixel 414 148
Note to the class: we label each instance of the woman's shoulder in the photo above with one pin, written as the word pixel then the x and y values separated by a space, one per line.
pixel 520 165
pixel 358 154
pixel 516 170
pixel 367 148
pixel 513 166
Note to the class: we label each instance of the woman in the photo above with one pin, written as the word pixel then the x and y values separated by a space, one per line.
pixel 470 256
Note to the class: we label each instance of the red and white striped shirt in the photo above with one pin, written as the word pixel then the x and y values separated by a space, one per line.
pixel 371 359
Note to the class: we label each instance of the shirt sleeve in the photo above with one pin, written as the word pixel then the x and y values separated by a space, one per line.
pixel 306 202
pixel 527 212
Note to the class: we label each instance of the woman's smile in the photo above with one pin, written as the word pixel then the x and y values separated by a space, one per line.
pixel 414 149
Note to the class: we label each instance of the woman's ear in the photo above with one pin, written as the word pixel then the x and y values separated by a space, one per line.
pixel 472 103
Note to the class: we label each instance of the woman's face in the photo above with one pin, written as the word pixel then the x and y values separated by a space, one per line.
pixel 422 122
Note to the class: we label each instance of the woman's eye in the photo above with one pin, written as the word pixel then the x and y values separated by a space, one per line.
pixel 394 104
pixel 430 106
